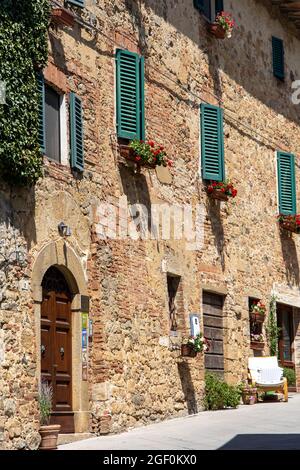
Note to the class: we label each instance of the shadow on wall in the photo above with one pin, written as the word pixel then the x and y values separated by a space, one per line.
pixel 289 254
pixel 213 212
pixel 17 226
pixel 136 190
pixel 188 387
pixel 263 442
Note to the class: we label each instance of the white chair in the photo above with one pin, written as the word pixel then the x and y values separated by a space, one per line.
pixel 266 375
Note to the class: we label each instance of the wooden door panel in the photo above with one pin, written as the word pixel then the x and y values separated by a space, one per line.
pixel 213 331
pixel 62 394
pixel 56 363
pixel 46 352
pixel 62 351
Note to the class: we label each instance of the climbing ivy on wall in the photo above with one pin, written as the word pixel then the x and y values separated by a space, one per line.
pixel 23 50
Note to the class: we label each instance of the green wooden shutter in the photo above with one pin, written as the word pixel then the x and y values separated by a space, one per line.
pixel 77 3
pixel 204 6
pixel 130 95
pixel 41 112
pixel 76 131
pixel 286 183
pixel 212 143
pixel 219 6
pixel 278 57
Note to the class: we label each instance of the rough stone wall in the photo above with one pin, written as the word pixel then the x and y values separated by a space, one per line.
pixel 133 371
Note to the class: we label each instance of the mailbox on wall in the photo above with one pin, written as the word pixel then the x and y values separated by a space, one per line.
pixel 195 324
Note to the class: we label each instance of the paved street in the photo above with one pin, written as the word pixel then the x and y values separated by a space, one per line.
pixel 270 425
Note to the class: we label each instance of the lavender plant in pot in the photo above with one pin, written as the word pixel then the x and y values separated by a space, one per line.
pixel 49 432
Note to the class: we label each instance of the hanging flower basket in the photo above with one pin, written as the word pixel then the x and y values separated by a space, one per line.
pixel 223 25
pixel 258 345
pixel 62 16
pixel 188 351
pixel 291 223
pixel 221 190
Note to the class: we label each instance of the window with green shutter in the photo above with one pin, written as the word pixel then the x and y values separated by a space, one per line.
pixel 286 183
pixel 204 6
pixel 76 131
pixel 41 111
pixel 212 143
pixel 278 58
pixel 77 3
pixel 130 95
pixel 219 6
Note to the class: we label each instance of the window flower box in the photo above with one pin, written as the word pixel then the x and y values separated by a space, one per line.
pixel 223 25
pixel 257 312
pixel 257 341
pixel 216 30
pixel 291 223
pixel 147 154
pixel 62 16
pixel 221 190
pixel 258 345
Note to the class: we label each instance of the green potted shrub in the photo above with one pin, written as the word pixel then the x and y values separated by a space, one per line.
pixel 49 432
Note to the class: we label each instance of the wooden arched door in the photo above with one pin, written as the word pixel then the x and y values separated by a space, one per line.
pixel 56 346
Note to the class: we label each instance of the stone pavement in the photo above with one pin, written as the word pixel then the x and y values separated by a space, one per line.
pixel 269 425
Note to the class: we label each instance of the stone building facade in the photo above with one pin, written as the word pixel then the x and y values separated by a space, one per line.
pixel 123 359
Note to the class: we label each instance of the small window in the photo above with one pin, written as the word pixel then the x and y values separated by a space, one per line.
pixel 175 296
pixel 209 8
pixel 286 183
pixel 212 143
pixel 278 58
pixel 52 124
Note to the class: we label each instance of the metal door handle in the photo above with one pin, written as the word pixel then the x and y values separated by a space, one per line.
pixel 62 351
pixel 43 349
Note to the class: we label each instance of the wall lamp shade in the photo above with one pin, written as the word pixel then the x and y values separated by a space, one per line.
pixel 64 230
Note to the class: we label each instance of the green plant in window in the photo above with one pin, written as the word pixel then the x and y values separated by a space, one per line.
pixel 23 50
pixel 272 329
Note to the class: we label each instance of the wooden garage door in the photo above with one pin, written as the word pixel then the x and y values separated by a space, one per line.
pixel 213 331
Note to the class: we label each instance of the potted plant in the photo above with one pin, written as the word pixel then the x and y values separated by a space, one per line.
pixel 249 394
pixel 257 341
pixel 289 222
pixel 148 154
pixel 221 190
pixel 222 26
pixel 193 345
pixel 49 432
pixel 257 311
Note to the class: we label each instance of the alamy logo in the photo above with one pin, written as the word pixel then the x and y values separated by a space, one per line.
pixel 296 94
pixel 154 222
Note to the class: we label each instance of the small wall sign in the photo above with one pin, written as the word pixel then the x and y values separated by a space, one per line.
pixel 195 324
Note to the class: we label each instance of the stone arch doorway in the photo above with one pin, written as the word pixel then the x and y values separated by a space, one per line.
pixel 56 346
pixel 60 256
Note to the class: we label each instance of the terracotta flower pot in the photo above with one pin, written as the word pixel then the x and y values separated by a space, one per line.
pixel 249 396
pixel 259 345
pixel 216 30
pixel 62 16
pixel 188 351
pixel 49 435
pixel 218 194
pixel 257 317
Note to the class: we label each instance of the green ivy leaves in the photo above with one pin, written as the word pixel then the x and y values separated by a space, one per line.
pixel 23 50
